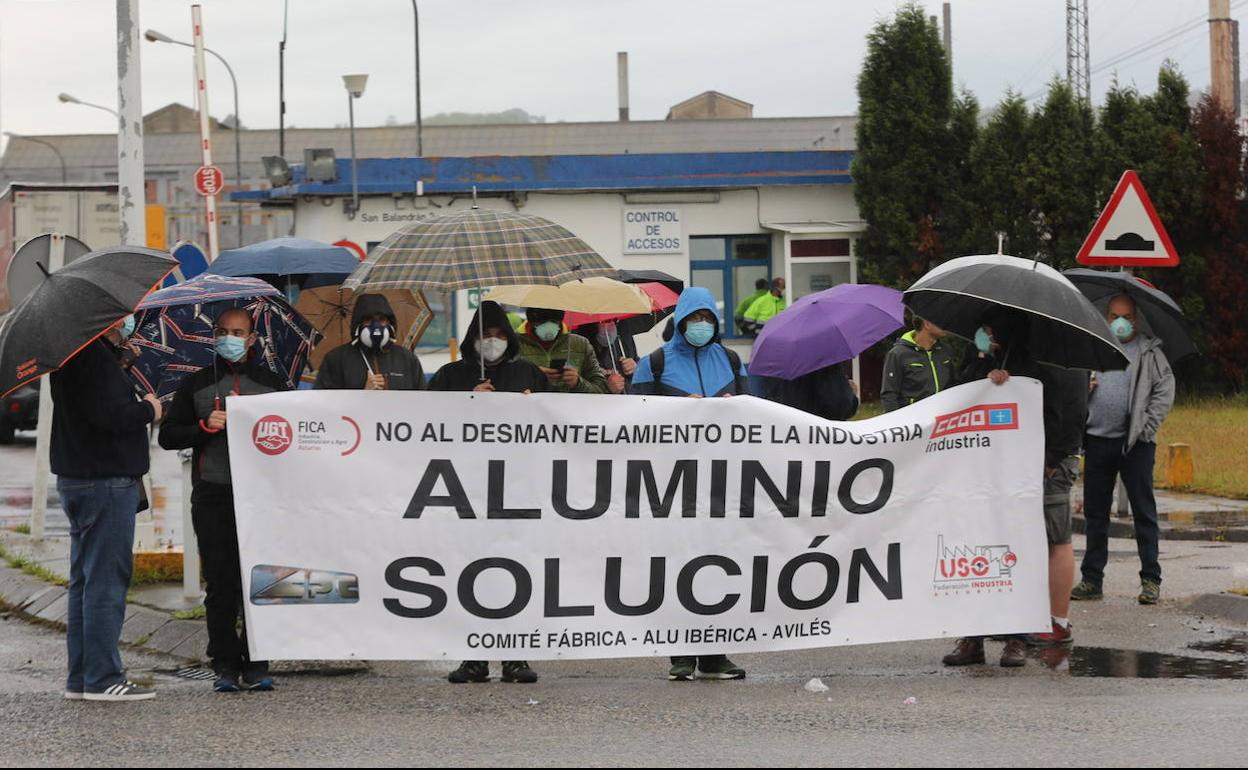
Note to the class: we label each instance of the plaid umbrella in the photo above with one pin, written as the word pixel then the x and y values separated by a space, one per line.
pixel 477 248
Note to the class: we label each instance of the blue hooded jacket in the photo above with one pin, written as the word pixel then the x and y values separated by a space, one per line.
pixel 687 370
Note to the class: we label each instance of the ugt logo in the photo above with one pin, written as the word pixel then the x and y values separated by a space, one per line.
pixel 976 419
pixel 272 435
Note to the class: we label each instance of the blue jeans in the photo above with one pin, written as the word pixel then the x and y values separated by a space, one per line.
pixel 101 559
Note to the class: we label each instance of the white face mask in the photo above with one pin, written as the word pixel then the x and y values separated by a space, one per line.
pixel 491 349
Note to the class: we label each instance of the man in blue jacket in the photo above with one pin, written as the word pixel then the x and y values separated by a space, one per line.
pixel 694 364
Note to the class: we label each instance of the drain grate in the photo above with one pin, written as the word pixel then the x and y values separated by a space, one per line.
pixel 196 673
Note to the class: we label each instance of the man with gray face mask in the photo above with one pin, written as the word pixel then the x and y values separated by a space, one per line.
pixel 374 359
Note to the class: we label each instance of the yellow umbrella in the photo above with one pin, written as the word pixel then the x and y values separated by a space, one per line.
pixel 329 309
pixel 591 295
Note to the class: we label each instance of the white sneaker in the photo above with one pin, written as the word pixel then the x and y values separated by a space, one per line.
pixel 120 692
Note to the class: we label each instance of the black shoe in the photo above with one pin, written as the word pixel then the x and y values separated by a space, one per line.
pixel 474 671
pixel 518 671
pixel 719 667
pixel 682 669
pixel 227 681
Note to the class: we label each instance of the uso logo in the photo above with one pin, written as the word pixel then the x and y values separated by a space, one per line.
pixel 272 435
pixel 976 419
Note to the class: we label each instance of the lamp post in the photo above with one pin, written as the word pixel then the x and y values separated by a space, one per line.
pixel 355 89
pixel 70 99
pixel 49 145
pixel 420 141
pixel 157 37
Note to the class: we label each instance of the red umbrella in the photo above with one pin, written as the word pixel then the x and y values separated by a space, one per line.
pixel 661 299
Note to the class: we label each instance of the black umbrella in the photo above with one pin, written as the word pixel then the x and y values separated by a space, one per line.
pixel 640 324
pixel 74 306
pixel 1158 313
pixel 1066 330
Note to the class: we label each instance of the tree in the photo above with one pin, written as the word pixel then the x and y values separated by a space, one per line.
pixel 960 227
pixel 1000 191
pixel 901 169
pixel 1062 174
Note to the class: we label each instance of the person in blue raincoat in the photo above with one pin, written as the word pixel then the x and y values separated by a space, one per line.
pixel 694 364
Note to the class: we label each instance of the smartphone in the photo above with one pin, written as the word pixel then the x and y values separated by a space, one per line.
pixel 558 363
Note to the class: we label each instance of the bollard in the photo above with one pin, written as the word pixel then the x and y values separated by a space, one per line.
pixel 453 346
pixel 1179 469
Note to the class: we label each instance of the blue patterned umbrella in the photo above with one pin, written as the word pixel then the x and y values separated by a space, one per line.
pixel 175 340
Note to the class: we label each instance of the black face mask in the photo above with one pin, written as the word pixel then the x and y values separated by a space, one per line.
pixel 375 335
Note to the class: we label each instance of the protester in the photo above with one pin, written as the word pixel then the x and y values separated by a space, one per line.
pixel 616 353
pixel 567 359
pixel 738 316
pixel 99 454
pixel 918 365
pixel 1001 342
pixel 197 420
pixel 826 393
pixel 1125 411
pixel 694 364
pixel 373 359
pixel 505 372
pixel 765 307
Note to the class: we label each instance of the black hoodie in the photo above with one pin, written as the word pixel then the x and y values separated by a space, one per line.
pixel 509 375
pixel 347 367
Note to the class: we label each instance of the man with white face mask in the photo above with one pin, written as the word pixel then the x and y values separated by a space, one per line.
pixel 197 420
pixel 1125 411
pixel 374 359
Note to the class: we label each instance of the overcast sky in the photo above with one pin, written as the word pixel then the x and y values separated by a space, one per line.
pixel 551 57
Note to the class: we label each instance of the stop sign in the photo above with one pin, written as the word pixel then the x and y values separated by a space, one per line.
pixel 209 180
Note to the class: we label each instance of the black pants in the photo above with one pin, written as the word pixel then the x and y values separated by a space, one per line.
pixel 212 511
pixel 1103 462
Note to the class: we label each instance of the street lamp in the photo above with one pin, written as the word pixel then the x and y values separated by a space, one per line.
pixel 70 99
pixel 49 145
pixel 420 142
pixel 156 37
pixel 355 89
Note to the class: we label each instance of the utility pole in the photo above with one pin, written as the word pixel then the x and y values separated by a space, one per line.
pixel 1078 56
pixel 948 34
pixel 131 187
pixel 1223 63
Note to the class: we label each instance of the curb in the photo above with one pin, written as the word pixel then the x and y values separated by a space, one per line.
pixel 1124 528
pixel 1225 606
pixel 144 628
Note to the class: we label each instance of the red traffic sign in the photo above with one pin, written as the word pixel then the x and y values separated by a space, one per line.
pixel 209 181
pixel 1129 232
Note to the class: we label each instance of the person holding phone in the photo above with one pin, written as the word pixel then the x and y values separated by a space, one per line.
pixel 567 360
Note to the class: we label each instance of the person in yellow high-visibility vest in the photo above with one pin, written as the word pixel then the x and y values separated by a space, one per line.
pixel 766 307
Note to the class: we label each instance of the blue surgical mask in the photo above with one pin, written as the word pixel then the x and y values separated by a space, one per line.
pixel 1122 329
pixel 232 349
pixel 983 341
pixel 127 327
pixel 547 331
pixel 698 333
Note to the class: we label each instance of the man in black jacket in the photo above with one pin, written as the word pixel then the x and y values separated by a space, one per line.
pixel 373 359
pixel 99 454
pixel 197 420
pixel 505 372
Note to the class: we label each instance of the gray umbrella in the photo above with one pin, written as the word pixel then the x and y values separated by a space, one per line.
pixel 1157 312
pixel 1065 329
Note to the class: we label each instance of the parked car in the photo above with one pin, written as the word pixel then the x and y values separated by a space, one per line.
pixel 19 411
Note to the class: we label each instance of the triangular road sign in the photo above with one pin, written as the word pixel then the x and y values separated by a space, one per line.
pixel 1128 231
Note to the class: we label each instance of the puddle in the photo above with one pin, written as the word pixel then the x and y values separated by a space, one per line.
pixel 1235 645
pixel 1136 664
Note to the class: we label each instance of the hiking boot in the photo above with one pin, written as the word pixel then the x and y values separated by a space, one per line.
pixel 968 652
pixel 1059 635
pixel 227 681
pixel 1086 592
pixel 122 691
pixel 475 671
pixel 1015 654
pixel 518 671
pixel 1150 592
pixel 719 667
pixel 682 669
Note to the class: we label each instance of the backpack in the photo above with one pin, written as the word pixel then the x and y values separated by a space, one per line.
pixel 740 384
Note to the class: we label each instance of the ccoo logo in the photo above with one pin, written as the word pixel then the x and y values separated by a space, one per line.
pixel 272 435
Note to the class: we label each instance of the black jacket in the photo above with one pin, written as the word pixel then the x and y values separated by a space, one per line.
pixel 344 368
pixel 99 427
pixel 510 375
pixel 185 424
pixel 609 358
pixel 824 393
pixel 912 373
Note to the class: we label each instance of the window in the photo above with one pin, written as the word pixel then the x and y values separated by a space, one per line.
pixel 729 266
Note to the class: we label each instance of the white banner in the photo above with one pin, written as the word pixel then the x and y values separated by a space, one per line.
pixel 400 525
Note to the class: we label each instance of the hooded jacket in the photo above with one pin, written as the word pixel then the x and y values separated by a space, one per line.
pixel 687 370
pixel 574 349
pixel 912 373
pixel 347 367
pixel 511 374
pixel 1151 394
pixel 185 424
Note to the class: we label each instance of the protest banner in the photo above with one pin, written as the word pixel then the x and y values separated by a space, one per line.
pixel 409 525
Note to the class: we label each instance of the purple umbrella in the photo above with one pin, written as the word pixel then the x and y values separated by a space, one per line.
pixel 826 328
